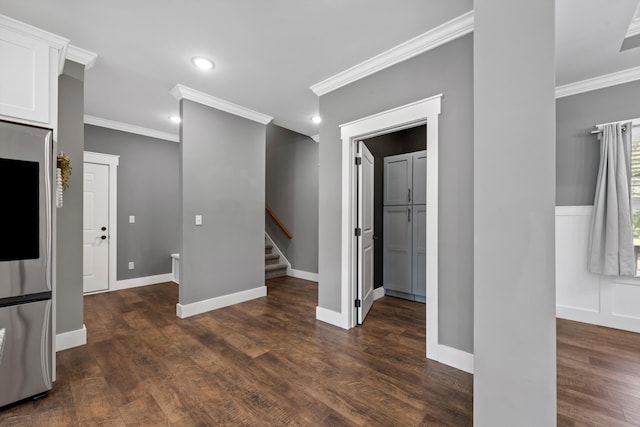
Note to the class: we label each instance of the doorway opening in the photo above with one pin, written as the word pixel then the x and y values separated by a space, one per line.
pixel 421 112
pixel 399 213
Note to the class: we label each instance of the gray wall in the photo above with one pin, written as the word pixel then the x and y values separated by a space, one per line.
pixel 222 179
pixel 404 141
pixel 69 314
pixel 514 219
pixel 292 194
pixel 448 70
pixel 577 150
pixel 148 188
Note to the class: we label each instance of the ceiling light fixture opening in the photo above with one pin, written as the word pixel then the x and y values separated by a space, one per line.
pixel 175 119
pixel 316 119
pixel 202 62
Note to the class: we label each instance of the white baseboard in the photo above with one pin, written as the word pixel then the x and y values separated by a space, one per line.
pixel 211 304
pixel 71 339
pixel 378 293
pixel 597 318
pixel 142 281
pixel 455 358
pixel 299 274
pixel 331 317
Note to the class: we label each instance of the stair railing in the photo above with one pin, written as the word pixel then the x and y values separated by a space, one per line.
pixel 277 221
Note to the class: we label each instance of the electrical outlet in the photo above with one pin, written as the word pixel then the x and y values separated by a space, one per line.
pixel 132 219
pixel 131 265
pixel 198 219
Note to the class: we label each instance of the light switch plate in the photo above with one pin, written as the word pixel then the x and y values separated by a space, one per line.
pixel 131 265
pixel 198 219
pixel 132 219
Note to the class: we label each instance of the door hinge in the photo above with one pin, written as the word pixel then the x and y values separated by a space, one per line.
pixel 358 303
pixel 358 160
pixel 358 232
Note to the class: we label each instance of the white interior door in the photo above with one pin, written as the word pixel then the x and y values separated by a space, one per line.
pixel 95 227
pixel 365 223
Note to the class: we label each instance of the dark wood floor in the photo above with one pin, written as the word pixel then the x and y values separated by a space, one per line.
pixel 269 362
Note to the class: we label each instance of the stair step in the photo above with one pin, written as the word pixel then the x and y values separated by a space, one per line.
pixel 275 270
pixel 268 248
pixel 271 259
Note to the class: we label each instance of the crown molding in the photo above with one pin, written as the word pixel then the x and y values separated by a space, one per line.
pixel 125 127
pixel 316 138
pixel 81 56
pixel 53 40
pixel 634 28
pixel 619 77
pixel 438 36
pixel 182 92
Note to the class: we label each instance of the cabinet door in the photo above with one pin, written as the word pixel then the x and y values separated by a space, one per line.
pixel 397 248
pixel 419 190
pixel 419 250
pixel 24 77
pixel 397 180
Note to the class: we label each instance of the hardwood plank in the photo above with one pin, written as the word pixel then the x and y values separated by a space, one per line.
pixel 269 362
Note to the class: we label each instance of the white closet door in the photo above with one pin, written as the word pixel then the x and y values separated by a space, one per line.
pixel 419 190
pixel 397 248
pixel 419 252
pixel 365 241
pixel 397 180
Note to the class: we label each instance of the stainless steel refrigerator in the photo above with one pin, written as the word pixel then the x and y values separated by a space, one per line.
pixel 26 166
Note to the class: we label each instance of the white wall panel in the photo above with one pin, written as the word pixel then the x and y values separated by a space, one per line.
pixel 586 297
pixel 575 286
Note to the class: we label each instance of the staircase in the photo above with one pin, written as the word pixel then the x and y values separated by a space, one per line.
pixel 272 265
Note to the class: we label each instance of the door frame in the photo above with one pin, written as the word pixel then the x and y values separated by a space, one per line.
pixel 406 116
pixel 112 161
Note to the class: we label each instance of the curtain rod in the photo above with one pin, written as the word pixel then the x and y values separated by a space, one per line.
pixel 634 122
pixel 624 129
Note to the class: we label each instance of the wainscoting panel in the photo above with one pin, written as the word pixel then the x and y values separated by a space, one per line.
pixel 580 289
pixel 625 300
pixel 585 297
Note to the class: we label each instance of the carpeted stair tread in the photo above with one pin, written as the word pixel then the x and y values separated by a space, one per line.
pixel 272 267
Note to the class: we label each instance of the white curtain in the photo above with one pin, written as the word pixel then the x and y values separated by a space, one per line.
pixel 611 246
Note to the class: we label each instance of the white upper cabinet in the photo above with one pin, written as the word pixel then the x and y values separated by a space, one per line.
pixel 397 180
pixel 405 179
pixel 419 190
pixel 31 61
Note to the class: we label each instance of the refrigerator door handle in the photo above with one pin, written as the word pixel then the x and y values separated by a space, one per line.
pixel 48 147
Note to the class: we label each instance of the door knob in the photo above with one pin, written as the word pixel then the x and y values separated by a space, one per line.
pixel 103 237
pixel 103 228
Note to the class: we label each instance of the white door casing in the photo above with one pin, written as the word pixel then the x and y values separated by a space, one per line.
pixel 95 231
pixel 403 117
pixel 99 210
pixel 365 223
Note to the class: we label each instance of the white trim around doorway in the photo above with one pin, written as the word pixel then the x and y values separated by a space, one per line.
pixel 410 115
pixel 112 161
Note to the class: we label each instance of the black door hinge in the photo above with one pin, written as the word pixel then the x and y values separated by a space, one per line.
pixel 358 303
pixel 358 232
pixel 358 161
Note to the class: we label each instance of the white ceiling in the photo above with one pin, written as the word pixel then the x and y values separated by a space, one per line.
pixel 589 34
pixel 268 53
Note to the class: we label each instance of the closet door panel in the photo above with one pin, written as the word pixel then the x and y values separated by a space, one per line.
pixel 419 250
pixel 397 248
pixel 397 180
pixel 419 190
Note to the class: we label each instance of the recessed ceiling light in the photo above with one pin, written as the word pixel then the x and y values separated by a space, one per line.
pixel 175 119
pixel 202 63
pixel 316 119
